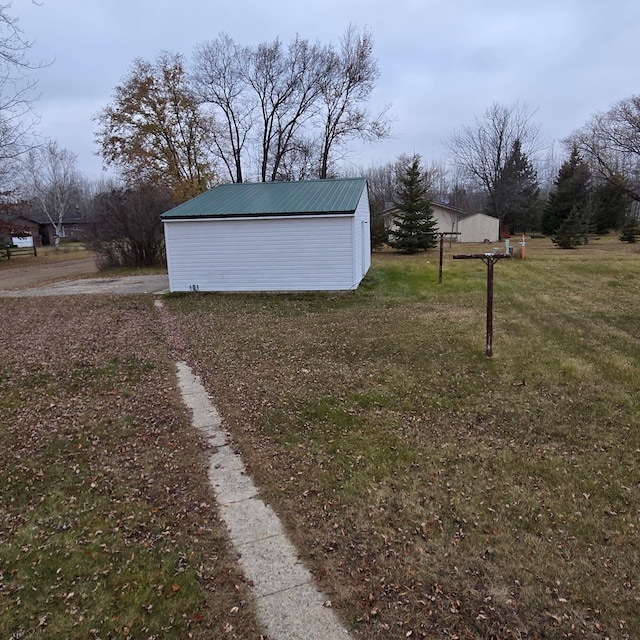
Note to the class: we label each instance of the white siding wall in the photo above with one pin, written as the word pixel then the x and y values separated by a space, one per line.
pixel 268 254
pixel 446 220
pixel 362 239
pixel 478 228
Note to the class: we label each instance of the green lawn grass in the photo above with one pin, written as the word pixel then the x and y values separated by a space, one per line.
pixel 433 491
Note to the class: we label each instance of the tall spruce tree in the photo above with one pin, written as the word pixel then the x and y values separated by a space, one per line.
pixel 415 227
pixel 572 191
pixel 611 203
pixel 519 191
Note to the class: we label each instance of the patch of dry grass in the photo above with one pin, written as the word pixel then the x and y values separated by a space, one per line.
pixel 434 492
pixel 108 525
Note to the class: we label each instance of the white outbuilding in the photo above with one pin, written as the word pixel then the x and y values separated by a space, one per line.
pixel 475 227
pixel 478 227
pixel 271 236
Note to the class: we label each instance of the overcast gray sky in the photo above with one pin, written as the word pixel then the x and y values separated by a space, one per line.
pixel 443 62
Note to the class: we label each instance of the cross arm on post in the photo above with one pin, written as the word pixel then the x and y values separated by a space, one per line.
pixel 485 257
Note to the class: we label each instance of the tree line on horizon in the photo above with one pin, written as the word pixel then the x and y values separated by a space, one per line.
pixel 242 113
pixel 272 111
pixel 596 189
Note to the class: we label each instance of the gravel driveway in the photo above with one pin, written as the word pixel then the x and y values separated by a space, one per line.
pixel 61 278
pixel 128 284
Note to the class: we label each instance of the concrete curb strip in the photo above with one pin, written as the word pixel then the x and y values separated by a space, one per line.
pixel 289 605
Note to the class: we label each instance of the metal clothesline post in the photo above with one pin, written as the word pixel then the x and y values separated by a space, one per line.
pixel 489 259
pixel 441 235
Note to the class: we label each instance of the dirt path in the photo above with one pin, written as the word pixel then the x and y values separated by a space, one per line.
pixel 37 274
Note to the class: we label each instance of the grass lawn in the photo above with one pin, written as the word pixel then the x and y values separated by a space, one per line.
pixel 107 526
pixel 47 255
pixel 435 492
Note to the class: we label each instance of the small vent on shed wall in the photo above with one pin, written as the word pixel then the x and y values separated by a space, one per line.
pixel 194 287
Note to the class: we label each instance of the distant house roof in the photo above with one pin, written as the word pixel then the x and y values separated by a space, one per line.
pixel 15 224
pixel 390 208
pixel 72 217
pixel 448 207
pixel 249 199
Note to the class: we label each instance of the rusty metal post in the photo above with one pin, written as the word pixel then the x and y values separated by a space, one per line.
pixel 489 262
pixel 441 235
pixel 489 259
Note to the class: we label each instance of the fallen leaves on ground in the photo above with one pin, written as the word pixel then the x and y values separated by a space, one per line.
pixel 109 527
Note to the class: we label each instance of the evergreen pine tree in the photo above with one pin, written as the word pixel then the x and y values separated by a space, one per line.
pixel 572 191
pixel 589 218
pixel 630 230
pixel 415 227
pixel 519 191
pixel 570 233
pixel 611 204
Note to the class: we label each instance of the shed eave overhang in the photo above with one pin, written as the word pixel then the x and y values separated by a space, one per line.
pixel 261 216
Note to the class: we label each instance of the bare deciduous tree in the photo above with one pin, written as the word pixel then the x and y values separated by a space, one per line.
pixel 482 151
pixel 382 182
pixel 286 83
pixel 126 229
pixel 52 183
pixel 219 82
pixel 346 85
pixel 287 109
pixel 610 142
pixel 16 90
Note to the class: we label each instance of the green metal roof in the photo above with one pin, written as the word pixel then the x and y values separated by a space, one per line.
pixel 258 199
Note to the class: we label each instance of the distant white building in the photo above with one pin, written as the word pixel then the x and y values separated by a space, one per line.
pixel 476 227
